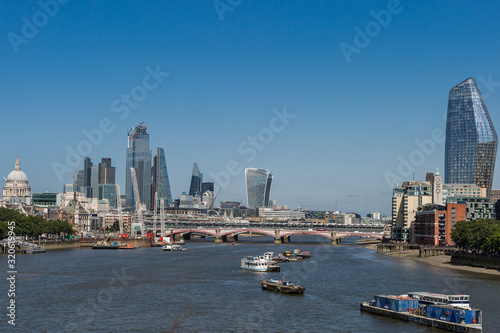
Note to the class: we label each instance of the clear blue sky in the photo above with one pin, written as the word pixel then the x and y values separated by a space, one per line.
pixel 353 122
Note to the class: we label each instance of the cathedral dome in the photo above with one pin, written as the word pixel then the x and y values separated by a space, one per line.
pixel 17 175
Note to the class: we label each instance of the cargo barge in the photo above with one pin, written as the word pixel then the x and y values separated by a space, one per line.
pixel 444 316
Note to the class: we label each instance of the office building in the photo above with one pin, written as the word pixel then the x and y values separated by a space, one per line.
pixel 471 139
pixel 94 181
pixel 87 170
pixel 207 186
pixel 106 172
pixel 108 191
pixel 161 184
pixel 196 181
pixel 138 157
pixel 258 186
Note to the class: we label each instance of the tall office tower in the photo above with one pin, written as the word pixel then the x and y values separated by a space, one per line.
pixel 161 184
pixel 138 157
pixel 258 182
pixel 94 181
pixel 207 187
pixel 80 178
pixel 106 172
pixel 196 180
pixel 471 140
pixel 87 168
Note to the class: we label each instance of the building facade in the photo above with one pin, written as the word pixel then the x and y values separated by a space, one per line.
pixel 138 157
pixel 433 227
pixel 196 181
pixel 106 171
pixel 258 187
pixel 161 184
pixel 471 139
pixel 16 189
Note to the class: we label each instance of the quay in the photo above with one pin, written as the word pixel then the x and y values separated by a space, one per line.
pixel 135 242
pixel 22 247
pixel 407 316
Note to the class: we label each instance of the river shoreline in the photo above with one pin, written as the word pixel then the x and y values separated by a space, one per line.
pixel 443 261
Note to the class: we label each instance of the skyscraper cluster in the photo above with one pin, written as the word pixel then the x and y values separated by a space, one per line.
pixel 152 180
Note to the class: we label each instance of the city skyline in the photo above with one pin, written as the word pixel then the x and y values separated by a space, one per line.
pixel 339 113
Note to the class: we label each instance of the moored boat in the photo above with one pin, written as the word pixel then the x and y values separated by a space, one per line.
pixel 105 246
pixel 282 286
pixel 252 263
pixel 430 312
pixel 126 247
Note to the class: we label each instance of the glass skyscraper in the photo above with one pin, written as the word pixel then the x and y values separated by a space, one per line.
pixel 258 182
pixel 196 180
pixel 471 140
pixel 138 157
pixel 161 184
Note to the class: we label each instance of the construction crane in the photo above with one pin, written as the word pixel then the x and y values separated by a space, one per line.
pixel 162 207
pixel 138 206
pixel 119 207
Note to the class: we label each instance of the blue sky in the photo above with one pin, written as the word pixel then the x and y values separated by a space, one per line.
pixel 354 121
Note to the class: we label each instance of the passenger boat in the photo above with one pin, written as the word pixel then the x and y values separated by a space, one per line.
pixel 172 247
pixel 282 286
pixel 252 263
pixel 448 312
pixel 459 301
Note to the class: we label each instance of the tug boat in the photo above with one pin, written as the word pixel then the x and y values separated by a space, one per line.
pixel 282 286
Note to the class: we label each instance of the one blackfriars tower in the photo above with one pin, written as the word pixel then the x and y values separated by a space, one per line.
pixel 471 139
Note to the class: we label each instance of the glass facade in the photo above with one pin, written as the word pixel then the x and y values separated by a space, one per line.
pixel 196 181
pixel 44 199
pixel 471 140
pixel 138 157
pixel 108 191
pixel 258 184
pixel 161 184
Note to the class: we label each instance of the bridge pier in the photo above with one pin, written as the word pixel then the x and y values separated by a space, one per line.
pixel 218 238
pixel 277 240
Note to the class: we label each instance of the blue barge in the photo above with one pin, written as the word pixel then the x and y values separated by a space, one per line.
pixel 444 316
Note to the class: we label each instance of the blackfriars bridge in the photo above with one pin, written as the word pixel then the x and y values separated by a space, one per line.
pixel 281 232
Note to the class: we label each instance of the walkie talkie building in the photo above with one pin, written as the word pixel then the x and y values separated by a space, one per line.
pixel 258 182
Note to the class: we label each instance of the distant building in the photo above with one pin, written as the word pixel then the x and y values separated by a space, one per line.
pixel 281 215
pixel 16 189
pixel 94 181
pixel 433 227
pixel 373 215
pixel 106 172
pixel 207 186
pixel 230 204
pixel 186 201
pixel 161 184
pixel 87 170
pixel 46 200
pixel 138 157
pixel 208 199
pixel 471 139
pixel 196 181
pixel 258 186
pixel 108 192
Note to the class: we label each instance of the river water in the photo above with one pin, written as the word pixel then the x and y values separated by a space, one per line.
pixel 202 289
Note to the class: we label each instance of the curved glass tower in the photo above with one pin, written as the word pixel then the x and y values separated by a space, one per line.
pixel 258 183
pixel 471 140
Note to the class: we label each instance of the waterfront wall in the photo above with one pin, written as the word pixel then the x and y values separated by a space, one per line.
pixel 476 260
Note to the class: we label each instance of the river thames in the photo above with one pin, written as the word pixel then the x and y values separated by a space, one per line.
pixel 202 289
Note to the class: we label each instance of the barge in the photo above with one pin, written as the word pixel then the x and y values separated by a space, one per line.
pixel 444 316
pixel 282 286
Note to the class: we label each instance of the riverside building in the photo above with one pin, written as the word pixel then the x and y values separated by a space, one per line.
pixel 471 139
